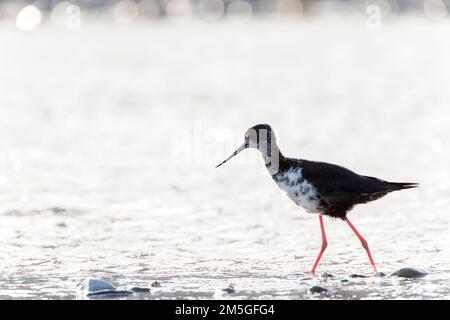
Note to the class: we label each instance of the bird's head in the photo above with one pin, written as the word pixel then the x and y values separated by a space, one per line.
pixel 259 137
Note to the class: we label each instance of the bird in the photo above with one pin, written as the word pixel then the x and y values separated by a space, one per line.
pixel 320 188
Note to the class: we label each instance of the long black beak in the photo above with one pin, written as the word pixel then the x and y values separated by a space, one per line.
pixel 243 147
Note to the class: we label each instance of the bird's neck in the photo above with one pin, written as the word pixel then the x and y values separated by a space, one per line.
pixel 272 158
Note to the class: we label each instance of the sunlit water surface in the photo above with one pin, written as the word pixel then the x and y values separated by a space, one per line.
pixel 109 137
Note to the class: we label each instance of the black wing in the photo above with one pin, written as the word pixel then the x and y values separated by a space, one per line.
pixel 340 188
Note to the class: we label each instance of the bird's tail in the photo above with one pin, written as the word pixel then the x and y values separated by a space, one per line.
pixel 402 185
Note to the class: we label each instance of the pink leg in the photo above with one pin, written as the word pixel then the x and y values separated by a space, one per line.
pixel 323 247
pixel 363 242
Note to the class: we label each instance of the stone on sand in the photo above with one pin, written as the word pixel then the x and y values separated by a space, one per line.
pixel 318 289
pixel 327 275
pixel 355 275
pixel 93 284
pixel 97 287
pixel 139 289
pixel 379 274
pixel 409 272
pixel 230 289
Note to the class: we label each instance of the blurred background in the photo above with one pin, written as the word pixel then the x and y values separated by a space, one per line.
pixel 28 15
pixel 113 115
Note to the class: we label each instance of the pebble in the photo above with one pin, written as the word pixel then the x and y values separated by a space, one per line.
pixel 139 289
pixel 230 289
pixel 354 275
pixel 93 284
pixel 97 287
pixel 379 274
pixel 318 289
pixel 110 293
pixel 327 275
pixel 409 272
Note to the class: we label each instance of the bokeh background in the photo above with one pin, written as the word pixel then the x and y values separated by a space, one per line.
pixel 113 115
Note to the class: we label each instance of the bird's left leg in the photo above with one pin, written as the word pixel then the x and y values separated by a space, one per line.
pixel 324 244
pixel 363 242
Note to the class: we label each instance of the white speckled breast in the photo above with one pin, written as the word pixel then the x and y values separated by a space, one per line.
pixel 298 189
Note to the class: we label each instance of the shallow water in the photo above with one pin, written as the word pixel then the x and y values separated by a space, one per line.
pixel 109 137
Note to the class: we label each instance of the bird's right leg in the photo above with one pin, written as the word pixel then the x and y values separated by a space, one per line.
pixel 363 243
pixel 323 247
